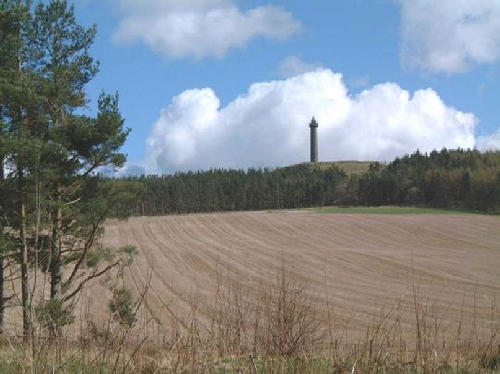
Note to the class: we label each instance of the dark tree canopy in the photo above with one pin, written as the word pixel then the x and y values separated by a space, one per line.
pixel 447 178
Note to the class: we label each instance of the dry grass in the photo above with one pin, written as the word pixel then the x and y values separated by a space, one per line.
pixel 274 328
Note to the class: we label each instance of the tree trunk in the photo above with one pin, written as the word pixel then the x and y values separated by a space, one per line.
pixel 25 290
pixel 55 264
pixel 2 307
pixel 25 294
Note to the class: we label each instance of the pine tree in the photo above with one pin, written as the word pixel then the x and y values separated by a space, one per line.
pixel 76 146
pixel 17 100
pixel 52 153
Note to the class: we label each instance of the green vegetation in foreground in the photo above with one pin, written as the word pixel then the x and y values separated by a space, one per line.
pixel 13 365
pixel 349 167
pixel 394 210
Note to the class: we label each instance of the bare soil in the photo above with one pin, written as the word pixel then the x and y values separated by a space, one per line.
pixel 357 265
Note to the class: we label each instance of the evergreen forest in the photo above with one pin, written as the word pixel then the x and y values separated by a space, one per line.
pixel 460 179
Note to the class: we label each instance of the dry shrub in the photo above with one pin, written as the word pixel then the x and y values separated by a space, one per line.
pixel 277 319
pixel 277 327
pixel 292 325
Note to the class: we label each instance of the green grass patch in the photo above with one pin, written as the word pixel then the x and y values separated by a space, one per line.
pixel 393 210
pixel 350 167
pixel 327 365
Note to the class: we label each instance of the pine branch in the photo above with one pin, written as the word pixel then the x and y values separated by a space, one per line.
pixel 90 277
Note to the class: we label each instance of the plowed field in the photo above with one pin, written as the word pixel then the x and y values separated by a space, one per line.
pixel 357 264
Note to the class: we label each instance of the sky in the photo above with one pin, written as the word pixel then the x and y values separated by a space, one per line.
pixel 234 84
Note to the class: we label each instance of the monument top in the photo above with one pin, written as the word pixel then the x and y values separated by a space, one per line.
pixel 313 123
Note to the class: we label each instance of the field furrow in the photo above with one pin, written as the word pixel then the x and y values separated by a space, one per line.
pixel 360 264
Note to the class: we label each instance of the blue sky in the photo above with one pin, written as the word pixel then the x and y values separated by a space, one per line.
pixel 414 74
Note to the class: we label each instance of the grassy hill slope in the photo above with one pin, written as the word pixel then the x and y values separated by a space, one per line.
pixel 350 167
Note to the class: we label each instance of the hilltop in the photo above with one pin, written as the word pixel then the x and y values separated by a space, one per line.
pixel 350 167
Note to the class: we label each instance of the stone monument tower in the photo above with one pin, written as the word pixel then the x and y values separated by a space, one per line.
pixel 314 140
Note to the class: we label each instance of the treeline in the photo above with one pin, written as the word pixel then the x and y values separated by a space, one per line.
pixel 447 178
pixel 234 190
pixel 466 179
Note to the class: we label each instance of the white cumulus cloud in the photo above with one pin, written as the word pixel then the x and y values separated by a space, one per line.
pixel 194 28
pixel 450 36
pixel 268 125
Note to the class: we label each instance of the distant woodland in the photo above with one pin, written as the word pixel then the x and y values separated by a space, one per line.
pixel 462 179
